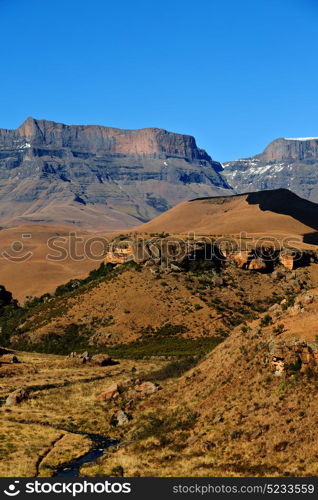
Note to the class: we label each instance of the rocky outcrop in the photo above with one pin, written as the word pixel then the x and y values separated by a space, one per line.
pixel 98 176
pixel 177 254
pixel 290 358
pixel 285 163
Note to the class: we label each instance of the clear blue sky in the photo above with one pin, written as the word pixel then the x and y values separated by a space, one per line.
pixel 233 73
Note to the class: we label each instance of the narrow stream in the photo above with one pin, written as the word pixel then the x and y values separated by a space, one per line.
pixel 72 468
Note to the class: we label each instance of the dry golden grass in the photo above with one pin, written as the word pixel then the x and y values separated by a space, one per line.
pixel 248 421
pixel 119 310
pixel 36 434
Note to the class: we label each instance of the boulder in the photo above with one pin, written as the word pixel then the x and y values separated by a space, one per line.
pixel 129 383
pixel 9 358
pixel 17 396
pixel 147 388
pixel 102 360
pixel 257 265
pixel 111 392
pixel 120 418
pixel 287 261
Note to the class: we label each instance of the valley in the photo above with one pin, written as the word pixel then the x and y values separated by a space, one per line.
pixel 173 357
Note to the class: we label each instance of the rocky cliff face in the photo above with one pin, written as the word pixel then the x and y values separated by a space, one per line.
pixel 99 177
pixel 285 163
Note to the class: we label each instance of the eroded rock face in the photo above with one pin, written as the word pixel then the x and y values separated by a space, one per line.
pixel 98 176
pixel 177 254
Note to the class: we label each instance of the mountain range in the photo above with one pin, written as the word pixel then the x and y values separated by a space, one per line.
pixel 104 179
pixel 98 177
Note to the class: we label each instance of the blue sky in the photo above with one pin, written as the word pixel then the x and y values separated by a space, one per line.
pixel 234 73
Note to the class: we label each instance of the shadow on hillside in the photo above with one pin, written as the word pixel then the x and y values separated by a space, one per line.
pixel 283 201
pixel 311 238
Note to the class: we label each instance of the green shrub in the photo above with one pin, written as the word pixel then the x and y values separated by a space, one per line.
pixel 266 320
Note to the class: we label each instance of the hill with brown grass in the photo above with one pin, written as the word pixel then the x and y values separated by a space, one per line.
pixel 247 409
pixel 277 213
pixel 35 259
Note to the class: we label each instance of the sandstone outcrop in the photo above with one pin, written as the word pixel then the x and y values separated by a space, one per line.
pixel 177 254
pixel 289 358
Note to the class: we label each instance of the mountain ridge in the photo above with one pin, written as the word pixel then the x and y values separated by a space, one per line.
pixel 96 177
pixel 289 163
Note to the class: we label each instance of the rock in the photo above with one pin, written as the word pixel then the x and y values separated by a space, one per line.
pixel 120 418
pixel 111 392
pixel 17 397
pixel 278 275
pixel 9 358
pixel 241 258
pixel 147 388
pixel 257 265
pixel 102 360
pixel 287 261
pixel 175 268
pixel 133 395
pixel 275 307
pixel 129 383
pixel 296 309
